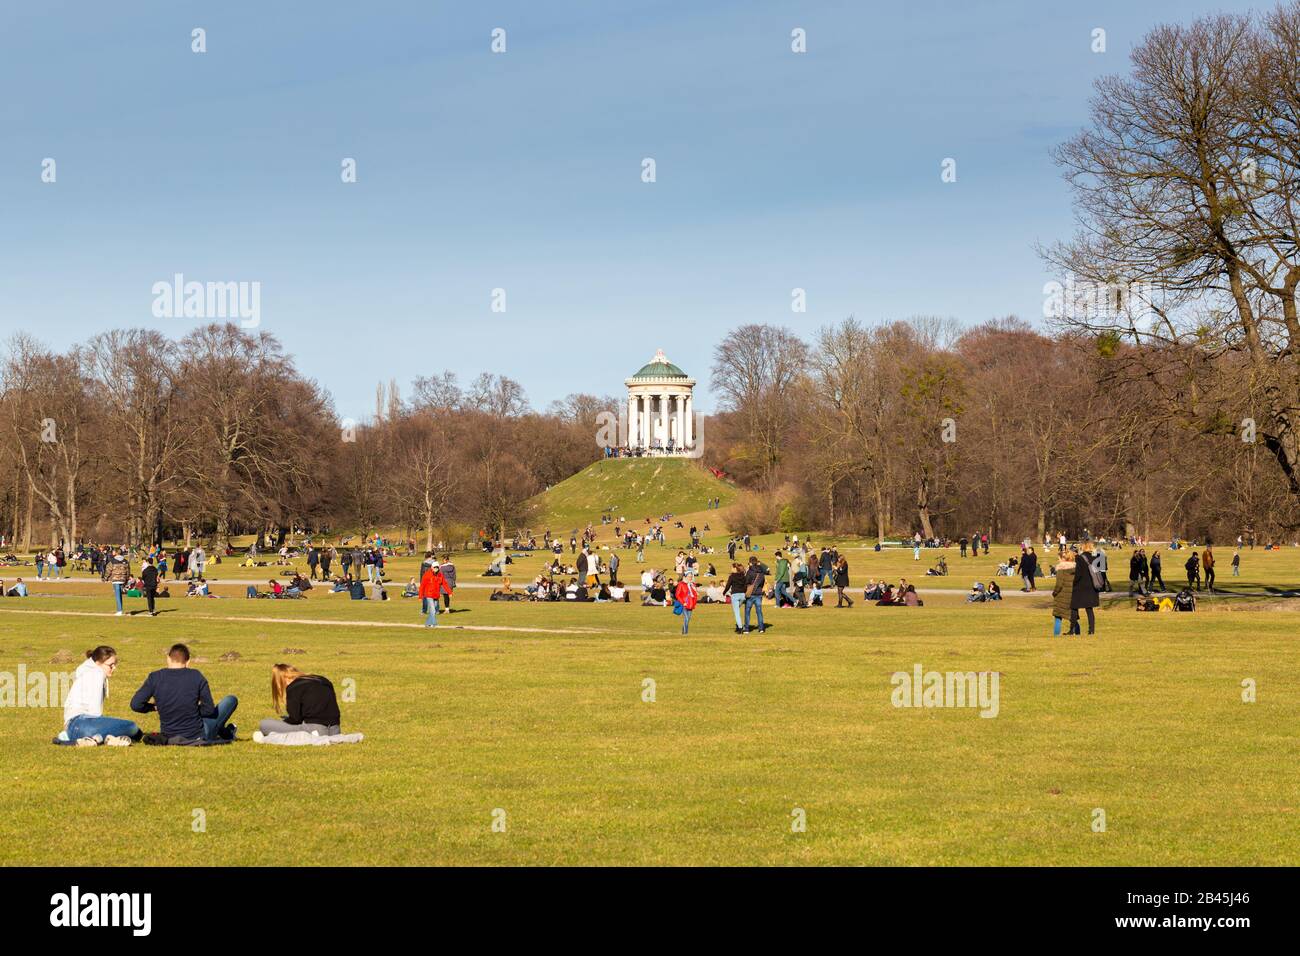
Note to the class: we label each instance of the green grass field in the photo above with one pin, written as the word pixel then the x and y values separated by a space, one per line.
pixel 538 711
pixel 635 488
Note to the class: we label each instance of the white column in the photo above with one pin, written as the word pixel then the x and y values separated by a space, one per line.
pixel 680 415
pixel 689 431
pixel 647 418
pixel 663 411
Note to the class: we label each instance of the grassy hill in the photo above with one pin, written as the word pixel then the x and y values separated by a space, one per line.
pixel 640 487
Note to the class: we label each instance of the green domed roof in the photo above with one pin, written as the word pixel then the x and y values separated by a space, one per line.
pixel 660 367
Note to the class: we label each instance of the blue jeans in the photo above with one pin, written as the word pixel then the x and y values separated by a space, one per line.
pixel 686 620
pixel 736 601
pixel 1056 627
pixel 212 726
pixel 431 612
pixel 40 570
pixel 117 596
pixel 85 726
pixel 54 572
pixel 756 602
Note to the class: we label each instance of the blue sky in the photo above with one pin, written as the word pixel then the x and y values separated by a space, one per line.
pixel 522 171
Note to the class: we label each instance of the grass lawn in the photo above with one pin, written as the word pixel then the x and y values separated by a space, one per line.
pixel 537 710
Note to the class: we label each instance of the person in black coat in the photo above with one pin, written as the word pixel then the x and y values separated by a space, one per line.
pixel 1029 569
pixel 1083 595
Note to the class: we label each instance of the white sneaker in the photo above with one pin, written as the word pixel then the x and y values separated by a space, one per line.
pixel 258 736
pixel 117 741
pixel 87 742
pixel 118 614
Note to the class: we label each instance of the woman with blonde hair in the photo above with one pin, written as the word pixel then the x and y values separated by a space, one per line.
pixel 1062 591
pixel 306 700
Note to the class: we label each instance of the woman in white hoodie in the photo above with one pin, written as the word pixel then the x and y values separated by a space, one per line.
pixel 83 708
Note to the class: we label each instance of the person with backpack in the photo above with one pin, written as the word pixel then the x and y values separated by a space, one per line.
pixel 1084 589
pixel 1101 562
pixel 686 596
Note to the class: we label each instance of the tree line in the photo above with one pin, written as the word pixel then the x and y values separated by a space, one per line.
pixel 135 438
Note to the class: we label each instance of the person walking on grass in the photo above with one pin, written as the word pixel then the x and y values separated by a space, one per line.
pixel 1193 567
pixel 448 575
pixel 842 582
pixel 755 580
pixel 1236 562
pixel 84 722
pixel 1083 594
pixel 687 596
pixel 149 584
pixel 180 694
pixel 432 586
pixel 781 585
pixel 119 572
pixel 1207 563
pixel 1029 569
pixel 307 701
pixel 734 591
pixel 1155 572
pixel 1062 591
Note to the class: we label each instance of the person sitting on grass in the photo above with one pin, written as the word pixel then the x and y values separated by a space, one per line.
pixel 18 590
pixel 657 595
pixel 911 598
pixel 83 709
pixel 977 594
pixel 995 592
pixel 183 700
pixel 307 701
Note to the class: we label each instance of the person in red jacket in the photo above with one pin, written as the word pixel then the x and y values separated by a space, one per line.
pixel 687 595
pixel 432 587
